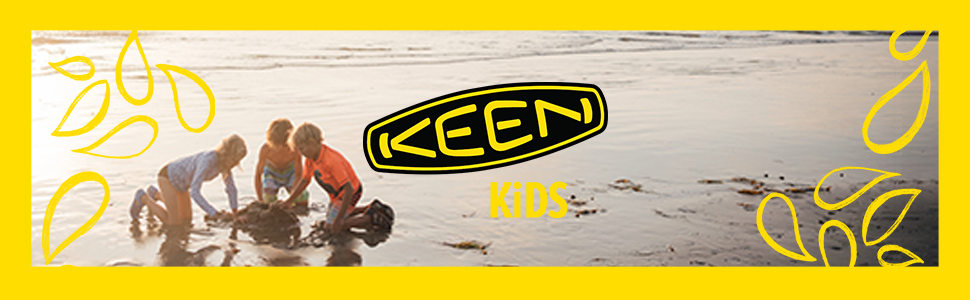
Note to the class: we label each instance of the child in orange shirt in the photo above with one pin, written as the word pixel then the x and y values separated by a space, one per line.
pixel 333 172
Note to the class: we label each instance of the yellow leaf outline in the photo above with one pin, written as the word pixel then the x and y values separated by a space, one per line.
pixel 848 233
pixel 911 53
pixel 878 202
pixel 175 95
pixel 856 195
pixel 48 217
pixel 97 118
pixel 924 105
pixel 771 242
pixel 81 59
pixel 129 121
pixel 133 37
pixel 886 248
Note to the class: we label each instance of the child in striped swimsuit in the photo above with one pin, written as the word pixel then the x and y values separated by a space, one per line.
pixel 182 178
pixel 278 165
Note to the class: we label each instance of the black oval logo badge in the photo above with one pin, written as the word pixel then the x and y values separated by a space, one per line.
pixel 485 128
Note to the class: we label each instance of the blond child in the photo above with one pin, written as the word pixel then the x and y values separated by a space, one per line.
pixel 334 173
pixel 182 179
pixel 278 165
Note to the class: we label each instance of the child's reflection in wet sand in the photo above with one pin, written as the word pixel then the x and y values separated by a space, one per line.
pixel 345 245
pixel 174 248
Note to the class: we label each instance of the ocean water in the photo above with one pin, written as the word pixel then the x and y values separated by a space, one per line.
pixel 683 106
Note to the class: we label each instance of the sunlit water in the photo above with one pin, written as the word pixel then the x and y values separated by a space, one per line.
pixel 682 106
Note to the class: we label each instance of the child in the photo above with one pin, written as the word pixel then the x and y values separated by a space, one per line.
pixel 333 172
pixel 278 164
pixel 183 178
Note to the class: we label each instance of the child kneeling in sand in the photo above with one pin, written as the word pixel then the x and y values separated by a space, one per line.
pixel 333 172
pixel 278 165
pixel 183 178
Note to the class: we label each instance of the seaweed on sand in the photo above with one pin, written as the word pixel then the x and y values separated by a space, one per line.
pixel 469 245
pixel 760 187
pixel 260 215
pixel 588 211
pixel 265 223
pixel 320 237
pixel 624 184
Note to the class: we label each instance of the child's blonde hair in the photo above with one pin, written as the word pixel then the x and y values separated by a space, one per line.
pixel 278 132
pixel 230 151
pixel 306 134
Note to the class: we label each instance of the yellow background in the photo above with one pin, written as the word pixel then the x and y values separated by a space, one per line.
pixel 20 280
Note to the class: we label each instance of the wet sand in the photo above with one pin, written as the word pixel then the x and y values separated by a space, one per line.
pixel 676 117
pixel 725 231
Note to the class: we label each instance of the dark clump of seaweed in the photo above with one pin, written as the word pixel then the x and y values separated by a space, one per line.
pixel 264 215
pixel 265 223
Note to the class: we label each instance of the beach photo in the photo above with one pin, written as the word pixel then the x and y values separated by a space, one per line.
pixel 722 148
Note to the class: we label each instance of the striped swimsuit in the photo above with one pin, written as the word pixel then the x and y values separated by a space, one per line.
pixel 274 179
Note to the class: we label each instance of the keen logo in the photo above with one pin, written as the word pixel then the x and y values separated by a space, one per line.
pixel 485 128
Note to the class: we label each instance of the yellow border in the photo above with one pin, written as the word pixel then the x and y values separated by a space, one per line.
pixel 370 153
pixel 23 281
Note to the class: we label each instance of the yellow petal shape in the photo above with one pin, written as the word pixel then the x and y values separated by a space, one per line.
pixel 111 133
pixel 903 140
pixel 805 256
pixel 912 53
pixel 175 94
pixel 65 187
pixel 97 118
pixel 81 59
pixel 848 233
pixel 133 37
pixel 886 248
pixel 843 203
pixel 875 205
